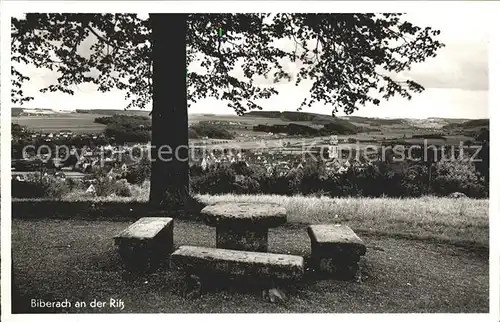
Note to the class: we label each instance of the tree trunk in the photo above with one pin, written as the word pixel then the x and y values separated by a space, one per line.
pixel 430 178
pixel 169 143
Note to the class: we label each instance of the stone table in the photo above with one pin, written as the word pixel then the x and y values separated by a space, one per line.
pixel 243 226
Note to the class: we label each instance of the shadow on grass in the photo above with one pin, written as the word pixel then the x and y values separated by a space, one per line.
pixel 99 210
pixel 195 285
pixel 404 276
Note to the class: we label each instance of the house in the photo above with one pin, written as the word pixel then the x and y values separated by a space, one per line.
pixel 333 152
pixel 91 189
pixel 18 177
pixel 86 168
pixel 342 169
pixel 60 175
pixel 334 140
pixel 204 164
pixel 333 165
pixel 112 175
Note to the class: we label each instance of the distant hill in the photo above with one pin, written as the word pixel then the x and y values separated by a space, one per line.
pixel 292 116
pixel 303 116
pixel 333 124
pixel 268 114
pixel 322 119
pixel 340 126
pixel 82 121
pixel 447 119
pixel 18 111
pixel 113 112
pixel 372 121
pixel 15 111
pixel 363 123
pixel 469 124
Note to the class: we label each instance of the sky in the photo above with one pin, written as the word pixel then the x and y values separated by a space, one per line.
pixel 456 81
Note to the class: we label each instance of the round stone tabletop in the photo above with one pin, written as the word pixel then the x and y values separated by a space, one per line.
pixel 244 213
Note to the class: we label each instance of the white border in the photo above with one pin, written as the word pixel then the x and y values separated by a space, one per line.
pixel 494 104
pixel 10 8
pixel 144 7
pixel 5 158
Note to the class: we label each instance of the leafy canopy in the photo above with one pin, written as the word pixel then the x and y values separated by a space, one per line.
pixel 350 59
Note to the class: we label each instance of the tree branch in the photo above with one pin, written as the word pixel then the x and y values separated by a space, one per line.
pixel 107 41
pixel 316 54
pixel 226 71
pixel 297 43
pixel 397 35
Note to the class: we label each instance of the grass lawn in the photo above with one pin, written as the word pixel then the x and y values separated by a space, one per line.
pixel 459 221
pixel 462 222
pixel 76 259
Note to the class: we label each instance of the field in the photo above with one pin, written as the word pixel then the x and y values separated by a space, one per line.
pixel 419 258
pixel 84 122
pixel 375 130
pixel 76 122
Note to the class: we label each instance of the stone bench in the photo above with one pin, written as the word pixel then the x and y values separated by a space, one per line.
pixel 146 242
pixel 243 226
pixel 335 249
pixel 201 260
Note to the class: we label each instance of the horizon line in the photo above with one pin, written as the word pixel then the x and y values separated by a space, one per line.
pixel 270 111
